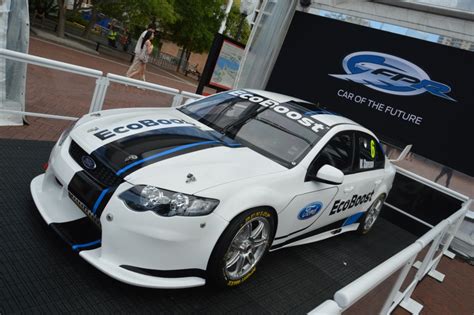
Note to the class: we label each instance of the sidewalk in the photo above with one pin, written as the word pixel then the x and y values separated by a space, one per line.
pixel 62 41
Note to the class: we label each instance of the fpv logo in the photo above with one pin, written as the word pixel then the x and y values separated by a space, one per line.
pixel 390 74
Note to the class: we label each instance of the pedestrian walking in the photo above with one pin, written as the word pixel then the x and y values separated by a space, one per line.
pixel 151 28
pixel 445 171
pixel 138 67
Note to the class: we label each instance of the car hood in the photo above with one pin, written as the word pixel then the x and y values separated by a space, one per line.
pixel 165 148
pixel 200 170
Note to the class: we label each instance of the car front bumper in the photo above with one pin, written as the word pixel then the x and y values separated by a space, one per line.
pixel 138 248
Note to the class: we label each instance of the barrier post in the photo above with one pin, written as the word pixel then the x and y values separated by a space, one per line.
pixel 451 231
pixel 457 223
pixel 177 100
pixel 426 264
pixel 389 302
pixel 101 85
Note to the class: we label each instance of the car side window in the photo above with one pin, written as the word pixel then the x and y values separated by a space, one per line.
pixel 338 152
pixel 370 154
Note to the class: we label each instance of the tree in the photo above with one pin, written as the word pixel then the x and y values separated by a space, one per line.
pixel 140 12
pixel 232 26
pixel 77 6
pixel 196 24
pixel 136 12
pixel 47 5
pixel 61 17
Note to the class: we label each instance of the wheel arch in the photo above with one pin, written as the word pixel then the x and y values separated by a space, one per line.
pixel 222 238
pixel 263 207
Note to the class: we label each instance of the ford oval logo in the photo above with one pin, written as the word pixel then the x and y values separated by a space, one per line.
pixel 310 210
pixel 88 162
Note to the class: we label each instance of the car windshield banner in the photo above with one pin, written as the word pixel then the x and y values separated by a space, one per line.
pixel 407 90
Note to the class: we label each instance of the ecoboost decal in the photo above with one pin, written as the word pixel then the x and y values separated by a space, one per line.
pixel 354 201
pixel 145 123
pixel 308 122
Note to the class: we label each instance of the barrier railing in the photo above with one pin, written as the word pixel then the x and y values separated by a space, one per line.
pixel 436 186
pixel 101 85
pixel 440 237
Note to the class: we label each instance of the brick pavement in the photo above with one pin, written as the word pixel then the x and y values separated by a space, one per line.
pixel 56 92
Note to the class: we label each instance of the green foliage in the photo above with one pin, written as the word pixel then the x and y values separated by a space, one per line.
pixel 137 12
pixel 76 17
pixel 50 6
pixel 233 22
pixel 196 23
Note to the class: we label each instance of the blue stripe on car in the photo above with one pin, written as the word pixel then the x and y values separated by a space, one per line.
pixel 79 246
pixel 352 219
pixel 99 200
pixel 170 151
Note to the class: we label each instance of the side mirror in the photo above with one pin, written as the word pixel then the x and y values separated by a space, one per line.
pixel 330 175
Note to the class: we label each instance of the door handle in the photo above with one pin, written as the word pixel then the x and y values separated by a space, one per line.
pixel 348 189
pixel 378 181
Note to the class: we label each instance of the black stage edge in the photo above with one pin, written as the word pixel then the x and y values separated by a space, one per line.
pixel 40 273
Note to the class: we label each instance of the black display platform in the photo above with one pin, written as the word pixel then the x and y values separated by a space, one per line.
pixel 39 273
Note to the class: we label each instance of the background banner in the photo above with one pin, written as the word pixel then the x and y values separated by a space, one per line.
pixel 408 91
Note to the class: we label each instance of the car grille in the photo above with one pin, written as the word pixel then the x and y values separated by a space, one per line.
pixel 84 209
pixel 102 173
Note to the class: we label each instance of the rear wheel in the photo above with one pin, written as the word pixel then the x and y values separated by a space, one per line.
pixel 368 219
pixel 241 247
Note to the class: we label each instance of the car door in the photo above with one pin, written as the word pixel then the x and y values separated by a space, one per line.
pixel 360 184
pixel 370 162
pixel 315 197
pixel 356 191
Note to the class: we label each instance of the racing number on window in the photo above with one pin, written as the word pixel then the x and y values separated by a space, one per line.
pixel 338 152
pixel 370 154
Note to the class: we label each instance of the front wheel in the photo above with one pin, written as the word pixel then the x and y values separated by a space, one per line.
pixel 368 219
pixel 241 247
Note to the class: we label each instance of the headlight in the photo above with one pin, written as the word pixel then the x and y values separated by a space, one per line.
pixel 165 202
pixel 65 134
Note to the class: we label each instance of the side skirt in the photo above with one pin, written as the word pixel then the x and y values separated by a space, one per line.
pixel 317 235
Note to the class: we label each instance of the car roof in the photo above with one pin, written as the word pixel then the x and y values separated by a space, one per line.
pixel 324 116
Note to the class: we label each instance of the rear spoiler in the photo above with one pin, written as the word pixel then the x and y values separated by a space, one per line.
pixel 403 154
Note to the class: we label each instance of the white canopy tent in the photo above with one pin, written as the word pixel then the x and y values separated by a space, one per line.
pixel 14 35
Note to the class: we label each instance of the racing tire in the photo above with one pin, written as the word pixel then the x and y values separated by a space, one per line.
pixel 367 221
pixel 241 247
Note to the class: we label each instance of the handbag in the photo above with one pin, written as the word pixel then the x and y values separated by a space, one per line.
pixel 143 56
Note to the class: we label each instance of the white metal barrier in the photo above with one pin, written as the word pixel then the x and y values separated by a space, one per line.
pixel 440 237
pixel 433 185
pixel 101 85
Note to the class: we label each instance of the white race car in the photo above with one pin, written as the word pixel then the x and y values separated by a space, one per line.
pixel 175 197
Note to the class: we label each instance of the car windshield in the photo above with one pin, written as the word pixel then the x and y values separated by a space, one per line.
pixel 283 132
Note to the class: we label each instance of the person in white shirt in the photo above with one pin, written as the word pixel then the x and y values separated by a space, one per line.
pixel 151 27
pixel 136 64
pixel 137 69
